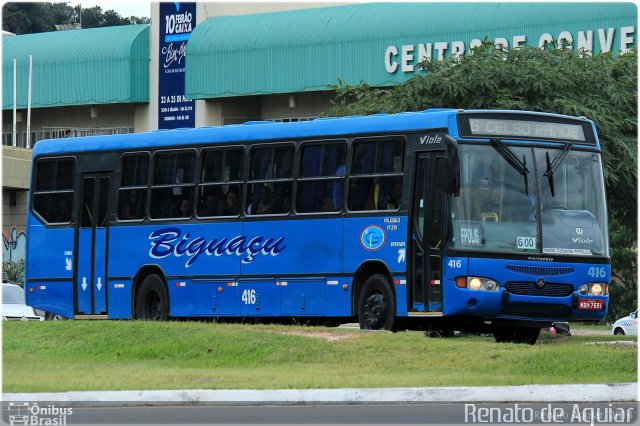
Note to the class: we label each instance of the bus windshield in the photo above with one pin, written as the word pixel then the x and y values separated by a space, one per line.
pixel 528 207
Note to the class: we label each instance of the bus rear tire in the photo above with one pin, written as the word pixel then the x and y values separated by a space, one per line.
pixel 151 300
pixel 376 307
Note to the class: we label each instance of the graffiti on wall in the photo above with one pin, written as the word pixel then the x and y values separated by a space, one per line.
pixel 14 246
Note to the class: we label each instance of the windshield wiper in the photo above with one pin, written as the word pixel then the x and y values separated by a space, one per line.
pixel 507 154
pixel 552 166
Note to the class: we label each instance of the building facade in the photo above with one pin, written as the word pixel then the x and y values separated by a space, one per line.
pixel 225 63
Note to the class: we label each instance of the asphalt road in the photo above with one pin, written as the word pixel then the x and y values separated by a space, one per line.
pixel 366 413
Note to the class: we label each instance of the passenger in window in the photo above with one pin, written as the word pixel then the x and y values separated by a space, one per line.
pixel 395 195
pixel 232 204
pixel 326 205
pixel 184 209
pixel 338 188
pixel 286 205
pixel 209 206
pixel 63 213
pixel 265 204
pixel 129 208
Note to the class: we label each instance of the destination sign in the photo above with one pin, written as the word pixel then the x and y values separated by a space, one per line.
pixel 520 128
pixel 515 128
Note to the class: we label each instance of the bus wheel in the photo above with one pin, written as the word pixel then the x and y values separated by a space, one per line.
pixel 151 300
pixel 376 309
pixel 53 317
pixel 526 335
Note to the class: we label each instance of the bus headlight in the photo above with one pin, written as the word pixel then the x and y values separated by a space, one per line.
pixel 477 283
pixel 595 289
pixel 491 285
pixel 474 283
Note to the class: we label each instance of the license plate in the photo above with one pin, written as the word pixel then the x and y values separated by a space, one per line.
pixel 591 305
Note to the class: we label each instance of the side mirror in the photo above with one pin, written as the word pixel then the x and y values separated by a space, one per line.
pixel 634 314
pixel 451 167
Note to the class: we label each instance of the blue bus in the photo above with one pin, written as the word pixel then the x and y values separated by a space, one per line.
pixel 443 219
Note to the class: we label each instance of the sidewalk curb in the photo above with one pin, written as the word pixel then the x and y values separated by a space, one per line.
pixel 618 392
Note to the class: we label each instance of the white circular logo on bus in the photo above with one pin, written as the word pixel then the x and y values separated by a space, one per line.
pixel 372 237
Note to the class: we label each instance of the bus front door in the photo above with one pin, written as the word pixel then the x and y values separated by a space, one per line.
pixel 91 245
pixel 427 236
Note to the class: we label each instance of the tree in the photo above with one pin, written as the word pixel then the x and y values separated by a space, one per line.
pixel 27 18
pixel 13 272
pixel 601 87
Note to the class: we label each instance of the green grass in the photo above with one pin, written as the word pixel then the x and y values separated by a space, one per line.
pixel 118 355
pixel 595 327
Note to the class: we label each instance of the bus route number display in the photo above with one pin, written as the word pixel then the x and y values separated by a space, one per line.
pixel 524 129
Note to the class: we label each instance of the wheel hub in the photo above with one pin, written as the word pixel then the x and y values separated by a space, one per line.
pixel 375 310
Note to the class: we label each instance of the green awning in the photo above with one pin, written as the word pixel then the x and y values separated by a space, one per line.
pixel 78 67
pixel 309 49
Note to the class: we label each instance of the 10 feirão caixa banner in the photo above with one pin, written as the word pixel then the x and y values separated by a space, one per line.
pixel 177 21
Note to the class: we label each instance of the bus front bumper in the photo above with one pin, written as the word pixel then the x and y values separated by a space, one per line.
pixel 502 304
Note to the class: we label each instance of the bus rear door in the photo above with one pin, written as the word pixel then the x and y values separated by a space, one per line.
pixel 91 246
pixel 427 236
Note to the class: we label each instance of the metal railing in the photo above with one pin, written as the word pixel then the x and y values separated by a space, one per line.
pixel 60 133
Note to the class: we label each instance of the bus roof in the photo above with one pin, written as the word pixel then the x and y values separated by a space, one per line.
pixel 263 130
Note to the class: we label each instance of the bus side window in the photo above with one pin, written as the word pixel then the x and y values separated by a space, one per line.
pixel 173 185
pixel 53 192
pixel 321 179
pixel 221 177
pixel 134 172
pixel 376 175
pixel 270 180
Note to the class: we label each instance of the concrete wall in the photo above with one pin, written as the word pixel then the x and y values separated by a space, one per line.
pixel 16 167
pixel 116 115
pixel 308 104
pixel 16 170
pixel 14 216
pixel 14 238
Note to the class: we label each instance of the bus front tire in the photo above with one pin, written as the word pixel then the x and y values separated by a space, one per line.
pixel 526 335
pixel 506 334
pixel 151 300
pixel 503 334
pixel 376 308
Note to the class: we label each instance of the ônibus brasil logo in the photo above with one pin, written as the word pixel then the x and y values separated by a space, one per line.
pixel 170 241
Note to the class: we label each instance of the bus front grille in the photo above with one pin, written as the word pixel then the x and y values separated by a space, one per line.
pixel 530 289
pixel 540 271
